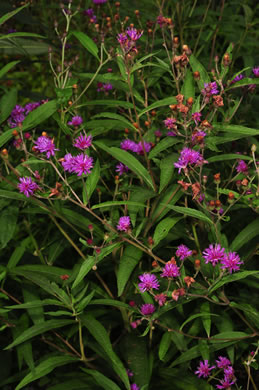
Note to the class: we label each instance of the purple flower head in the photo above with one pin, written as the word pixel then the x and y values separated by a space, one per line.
pixel 107 87
pixel 223 362
pixel 89 12
pixel 82 164
pixel 124 224
pixel 121 168
pixel 17 116
pixel 68 162
pixel 134 34
pixel 148 281
pixel 210 89
pixel 256 71
pixel 196 116
pixel 134 387
pixel 242 167
pixel 147 309
pixel 99 1
pixel 183 252
pixel 189 156
pixel 158 133
pixel 213 254
pixel 231 262
pixel 27 186
pixel 83 142
pixel 171 134
pixel 122 38
pixel 225 383
pixel 170 123
pixel 127 144
pixel 45 145
pixel 161 299
pixel 229 372
pixel 129 373
pixel 204 369
pixel 198 136
pixel 237 78
pixel 139 148
pixel 31 106
pixel 170 271
pixel 76 121
pixel 17 110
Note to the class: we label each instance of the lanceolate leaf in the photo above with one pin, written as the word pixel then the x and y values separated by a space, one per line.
pixel 117 203
pixel 102 380
pixel 92 180
pixel 163 228
pixel 225 157
pixel 196 316
pixel 159 103
pixel 44 368
pixel 242 83
pixel 188 88
pixel 128 262
pixel 162 145
pixel 232 278
pixel 40 328
pixel 87 42
pixel 164 345
pixel 8 220
pixel 7 67
pixel 249 232
pixel 100 334
pixel 87 265
pixel 7 103
pixel 236 130
pixel 9 15
pixel 130 161
pixel 191 213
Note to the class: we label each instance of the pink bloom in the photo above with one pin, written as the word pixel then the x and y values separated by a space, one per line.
pixel 124 224
pixel 45 145
pixel 170 123
pixel 242 167
pixel 128 144
pixel 134 34
pixel 196 116
pixel 204 369
pixel 210 89
pixel 214 254
pixel 122 38
pixel 223 362
pixel 121 168
pixel 99 1
pixel 161 299
pixel 148 282
pixel 76 121
pixel 27 186
pixel 170 271
pixel 68 162
pixel 189 156
pixel 183 252
pixel 256 71
pixel 82 164
pixel 231 261
pixel 83 142
pixel 134 387
pixel 147 309
pixel 139 149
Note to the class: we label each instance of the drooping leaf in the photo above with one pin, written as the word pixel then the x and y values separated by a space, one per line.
pixel 87 42
pixel 249 232
pixel 7 103
pixel 196 316
pixel 162 145
pixel 7 67
pixel 166 171
pixel 44 368
pixel 117 203
pixel 190 212
pixel 163 228
pixel 8 220
pixel 164 345
pixel 129 260
pixel 22 46
pixel 84 269
pixel 230 156
pixel 102 380
pixel 160 103
pixel 232 278
pixel 9 15
pixel 37 329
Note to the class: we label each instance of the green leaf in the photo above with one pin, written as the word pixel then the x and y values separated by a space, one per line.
pixel 230 156
pixel 33 304
pixel 9 15
pixel 36 313
pixel 110 302
pixel 228 336
pixel 160 103
pixel 249 232
pixel 225 69
pixel 117 203
pixel 7 67
pixel 188 88
pixel 40 328
pixel 128 160
pixel 190 212
pixel 8 220
pixel 100 334
pixel 252 313
pixel 112 103
pixel 242 83
pixel 7 103
pixel 162 145
pixel 102 380
pixel 92 180
pixel 164 345
pixel 197 66
pixel 44 368
pixel 196 316
pixel 163 228
pixel 236 129
pixel 87 42
pixel 166 170
pixel 84 269
pixel 204 349
pixel 206 321
pixel 130 258
pixel 118 117
pixel 232 278
pixel 22 46
pixel 39 115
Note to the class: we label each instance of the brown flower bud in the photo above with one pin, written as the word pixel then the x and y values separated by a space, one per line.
pixel 44 134
pixel 15 133
pixel 117 4
pixel 196 75
pixel 226 60
pixel 147 123
pixel 64 277
pixel 197 264
pixel 189 280
pixel 153 113
pixel 150 241
pixel 135 125
pixel 189 101
pixel 4 152
pixel 217 203
pixel 217 178
pixel 154 264
pixel 136 12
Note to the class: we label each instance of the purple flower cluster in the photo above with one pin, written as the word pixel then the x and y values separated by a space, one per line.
pixel 19 113
pixel 204 369
pixel 148 282
pixel 230 261
pixel 124 224
pixel 170 123
pixel 83 142
pixel 99 1
pixel 237 78
pixel 101 87
pixel 189 156
pixel 242 167
pixel 196 116
pixel 90 13
pixel 183 252
pixel 27 186
pixel 46 145
pixel 256 71
pixel 75 121
pixel 210 89
pixel 147 309
pixel 170 271
pixel 77 164
pixel 223 363
pixel 128 144
pixel 121 168
pixel 128 39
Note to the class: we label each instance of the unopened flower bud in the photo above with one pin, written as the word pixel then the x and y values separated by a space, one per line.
pixel 189 101
pixel 94 267
pixel 196 75
pixel 153 113
pixel 154 264
pixel 253 148
pixel 137 12
pixel 226 60
pixel 90 227
pixel 4 153
pixel 64 277
pixel 212 204
pixel 15 133
pixel 231 197
pixel 217 178
pixel 217 203
pixel 44 134
pixel 197 264
pixel 204 179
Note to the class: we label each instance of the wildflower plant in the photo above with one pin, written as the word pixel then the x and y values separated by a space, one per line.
pixel 129 201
